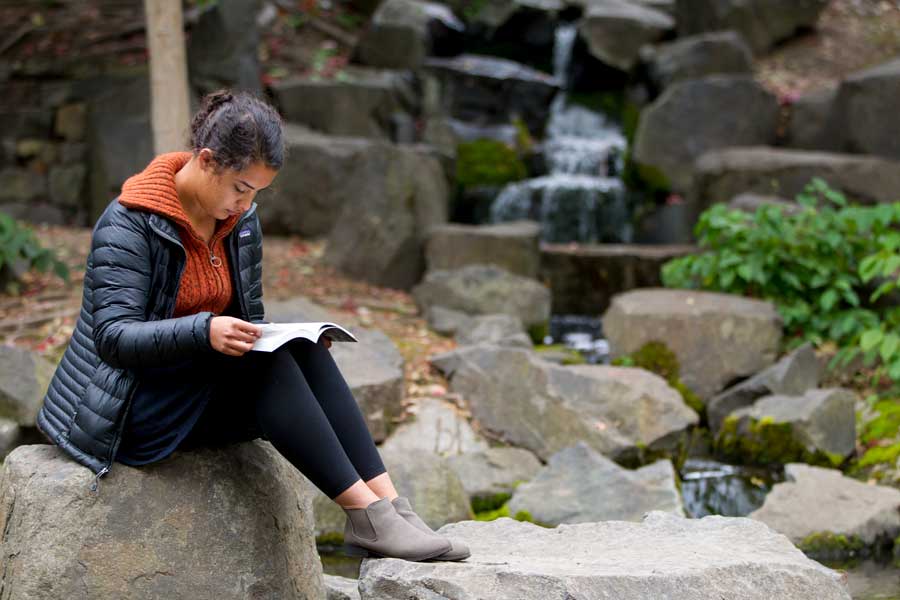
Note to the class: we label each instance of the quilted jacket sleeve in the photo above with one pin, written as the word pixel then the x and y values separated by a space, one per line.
pixel 121 282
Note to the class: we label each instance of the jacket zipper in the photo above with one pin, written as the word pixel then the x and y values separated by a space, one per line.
pixel 95 486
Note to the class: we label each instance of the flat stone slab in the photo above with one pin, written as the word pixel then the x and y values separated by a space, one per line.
pixel 664 556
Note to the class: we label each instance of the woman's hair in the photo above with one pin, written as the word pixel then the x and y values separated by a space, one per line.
pixel 240 129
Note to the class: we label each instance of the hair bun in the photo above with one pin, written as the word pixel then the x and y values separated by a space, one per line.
pixel 216 99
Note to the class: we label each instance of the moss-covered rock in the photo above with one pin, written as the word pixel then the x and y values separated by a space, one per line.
pixel 503 511
pixel 487 162
pixel 765 441
pixel 826 545
pixel 561 354
pixel 656 357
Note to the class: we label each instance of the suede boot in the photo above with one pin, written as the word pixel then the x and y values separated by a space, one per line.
pixel 378 531
pixel 458 550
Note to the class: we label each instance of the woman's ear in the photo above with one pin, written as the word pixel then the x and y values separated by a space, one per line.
pixel 207 162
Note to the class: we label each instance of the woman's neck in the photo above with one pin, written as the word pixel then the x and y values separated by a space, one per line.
pixel 185 184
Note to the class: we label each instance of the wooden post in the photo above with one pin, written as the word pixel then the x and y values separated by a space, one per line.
pixel 169 97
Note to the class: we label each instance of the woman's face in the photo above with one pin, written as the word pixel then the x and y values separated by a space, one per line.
pixel 231 192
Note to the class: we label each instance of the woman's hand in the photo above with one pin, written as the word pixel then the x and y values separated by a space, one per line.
pixel 231 336
pixel 327 341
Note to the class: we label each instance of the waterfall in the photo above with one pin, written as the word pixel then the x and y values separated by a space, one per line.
pixel 581 199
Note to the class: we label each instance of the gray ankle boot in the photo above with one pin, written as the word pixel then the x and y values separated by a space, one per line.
pixel 457 551
pixel 378 531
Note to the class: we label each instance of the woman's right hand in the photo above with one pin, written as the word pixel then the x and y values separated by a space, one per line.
pixel 232 336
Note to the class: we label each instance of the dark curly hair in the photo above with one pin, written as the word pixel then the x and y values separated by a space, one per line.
pixel 240 129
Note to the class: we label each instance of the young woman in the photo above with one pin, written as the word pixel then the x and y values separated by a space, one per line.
pixel 159 357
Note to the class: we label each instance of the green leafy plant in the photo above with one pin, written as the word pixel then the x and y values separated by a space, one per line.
pixel 20 251
pixel 812 263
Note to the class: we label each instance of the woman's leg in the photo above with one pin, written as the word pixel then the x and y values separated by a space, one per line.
pixel 337 401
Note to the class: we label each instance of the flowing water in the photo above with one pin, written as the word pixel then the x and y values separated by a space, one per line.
pixel 582 198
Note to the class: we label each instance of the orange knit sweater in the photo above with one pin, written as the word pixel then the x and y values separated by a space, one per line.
pixel 204 286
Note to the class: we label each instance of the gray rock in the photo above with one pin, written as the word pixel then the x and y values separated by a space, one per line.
pixel 491 15
pixel 363 102
pixel 485 290
pixel 535 404
pixel 437 428
pixel 230 522
pixel 494 470
pixel 447 321
pixel 811 126
pixel 499 330
pixel 579 485
pixel 380 235
pixel 490 91
pixel 728 172
pixel 21 185
pixel 222 47
pixel 843 506
pixel 712 557
pixel 615 30
pixel 401 33
pixel 584 278
pixel 699 115
pixel 10 434
pixel 71 122
pixel 750 202
pixel 24 377
pixel 699 56
pixel 341 588
pixel 67 185
pixel 433 488
pixel 716 337
pixel 793 375
pixel 762 22
pixel 512 246
pixel 866 107
pixel 821 420
pixel 373 368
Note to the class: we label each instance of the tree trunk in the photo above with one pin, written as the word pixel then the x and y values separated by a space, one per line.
pixel 169 97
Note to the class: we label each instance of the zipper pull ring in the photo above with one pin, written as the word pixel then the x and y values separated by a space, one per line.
pixel 96 485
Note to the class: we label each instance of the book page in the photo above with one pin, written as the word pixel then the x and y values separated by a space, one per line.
pixel 274 335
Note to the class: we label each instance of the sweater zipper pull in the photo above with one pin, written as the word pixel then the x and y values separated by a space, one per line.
pixel 96 485
pixel 215 260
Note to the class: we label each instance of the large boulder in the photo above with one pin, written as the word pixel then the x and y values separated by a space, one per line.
pixel 763 23
pixel 615 30
pixel 493 471
pixel 437 427
pixel 580 485
pixel 584 278
pixel 233 522
pixel 793 375
pixel 512 246
pixel 717 338
pixel 373 367
pixel 486 90
pixel 24 377
pixel 500 330
pixel 810 126
pixel 721 175
pixel 698 56
pixel 485 290
pixel 401 33
pixel 699 115
pixel 223 47
pixel 816 427
pixel 380 236
pixel 712 557
pixel 866 111
pixel 864 515
pixel 544 407
pixel 364 102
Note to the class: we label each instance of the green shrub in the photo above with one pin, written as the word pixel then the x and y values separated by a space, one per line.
pixel 21 251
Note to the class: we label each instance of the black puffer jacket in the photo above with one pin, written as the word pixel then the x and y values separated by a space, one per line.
pixel 130 286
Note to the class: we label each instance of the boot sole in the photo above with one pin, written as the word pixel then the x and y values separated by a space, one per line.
pixel 358 551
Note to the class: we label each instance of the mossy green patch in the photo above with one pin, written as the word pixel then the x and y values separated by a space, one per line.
pixel 765 441
pixel 538 331
pixel 656 357
pixel 503 511
pixel 484 504
pixel 571 356
pixel 487 162
pixel 330 539
pixel 827 544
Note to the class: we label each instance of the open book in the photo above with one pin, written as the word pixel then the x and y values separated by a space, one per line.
pixel 276 334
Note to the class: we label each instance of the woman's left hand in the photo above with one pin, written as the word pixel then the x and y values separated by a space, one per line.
pixel 327 341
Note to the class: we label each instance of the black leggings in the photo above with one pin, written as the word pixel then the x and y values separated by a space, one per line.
pixel 296 398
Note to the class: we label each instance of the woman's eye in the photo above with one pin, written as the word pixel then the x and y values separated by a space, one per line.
pixel 239 190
